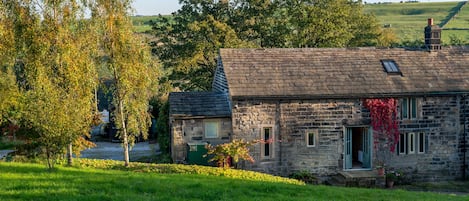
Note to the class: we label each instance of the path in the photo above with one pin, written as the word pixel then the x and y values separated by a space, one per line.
pixel 4 153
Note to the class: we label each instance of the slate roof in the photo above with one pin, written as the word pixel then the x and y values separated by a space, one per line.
pixel 343 72
pixel 199 104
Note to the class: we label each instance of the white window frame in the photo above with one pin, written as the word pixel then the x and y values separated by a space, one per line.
pixel 217 127
pixel 271 145
pixel 411 143
pixel 307 139
pixel 409 108
pixel 403 143
pixel 421 141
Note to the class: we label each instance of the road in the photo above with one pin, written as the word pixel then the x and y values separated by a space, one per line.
pixel 114 151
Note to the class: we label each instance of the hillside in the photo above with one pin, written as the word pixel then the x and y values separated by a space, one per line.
pixel 409 19
pixel 406 19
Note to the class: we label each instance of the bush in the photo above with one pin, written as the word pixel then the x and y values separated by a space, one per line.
pixel 305 176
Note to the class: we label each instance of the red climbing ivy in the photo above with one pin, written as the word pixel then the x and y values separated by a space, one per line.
pixel 383 112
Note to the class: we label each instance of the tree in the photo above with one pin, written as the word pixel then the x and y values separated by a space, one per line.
pixel 189 43
pixel 325 23
pixel 128 60
pixel 10 102
pixel 54 69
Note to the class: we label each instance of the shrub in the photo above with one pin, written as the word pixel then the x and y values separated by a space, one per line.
pixel 305 176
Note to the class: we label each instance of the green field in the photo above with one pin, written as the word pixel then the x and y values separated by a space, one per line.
pixel 142 23
pixel 33 182
pixel 409 19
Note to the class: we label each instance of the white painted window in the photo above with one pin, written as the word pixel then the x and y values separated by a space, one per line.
pixel 412 143
pixel 267 135
pixel 311 138
pixel 409 108
pixel 402 143
pixel 421 143
pixel 211 129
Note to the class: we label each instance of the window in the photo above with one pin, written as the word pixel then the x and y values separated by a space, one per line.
pixel 409 108
pixel 412 143
pixel 311 139
pixel 211 129
pixel 391 67
pixel 267 148
pixel 421 143
pixel 402 144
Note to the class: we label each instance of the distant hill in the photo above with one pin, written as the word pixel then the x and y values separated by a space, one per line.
pixel 409 19
pixel 142 23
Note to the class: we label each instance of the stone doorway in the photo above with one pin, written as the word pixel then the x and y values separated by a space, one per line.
pixel 357 148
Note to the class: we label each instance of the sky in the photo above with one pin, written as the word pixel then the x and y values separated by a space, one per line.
pixel 165 7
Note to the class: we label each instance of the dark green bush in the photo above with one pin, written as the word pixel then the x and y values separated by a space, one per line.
pixel 305 176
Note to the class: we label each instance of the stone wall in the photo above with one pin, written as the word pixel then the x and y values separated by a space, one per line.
pixel 464 142
pixel 291 120
pixel 438 117
pixel 192 131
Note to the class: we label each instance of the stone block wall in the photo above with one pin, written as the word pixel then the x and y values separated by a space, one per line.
pixel 464 142
pixel 326 118
pixel 192 131
pixel 248 119
pixel 440 118
pixel 291 121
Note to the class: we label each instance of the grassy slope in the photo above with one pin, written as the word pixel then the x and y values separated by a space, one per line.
pixel 33 182
pixel 142 23
pixel 409 19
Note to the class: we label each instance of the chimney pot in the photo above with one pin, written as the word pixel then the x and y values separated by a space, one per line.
pixel 430 21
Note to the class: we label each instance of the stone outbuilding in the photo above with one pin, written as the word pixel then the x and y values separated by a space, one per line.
pixel 198 118
pixel 309 101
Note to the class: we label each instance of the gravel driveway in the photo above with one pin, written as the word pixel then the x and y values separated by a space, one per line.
pixel 114 151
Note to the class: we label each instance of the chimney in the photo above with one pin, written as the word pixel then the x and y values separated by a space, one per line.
pixel 432 36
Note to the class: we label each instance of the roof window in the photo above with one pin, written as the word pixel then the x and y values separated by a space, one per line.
pixel 391 67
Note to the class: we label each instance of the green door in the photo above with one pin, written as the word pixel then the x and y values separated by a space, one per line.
pixel 348 148
pixel 366 147
pixel 195 154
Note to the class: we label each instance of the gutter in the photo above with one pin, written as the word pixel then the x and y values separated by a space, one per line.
pixel 344 96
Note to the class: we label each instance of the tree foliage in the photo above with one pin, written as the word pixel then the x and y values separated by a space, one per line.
pixel 189 42
pixel 128 60
pixel 51 55
pixel 236 150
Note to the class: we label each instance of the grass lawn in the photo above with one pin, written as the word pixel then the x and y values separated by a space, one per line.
pixel 34 182
pixel 408 20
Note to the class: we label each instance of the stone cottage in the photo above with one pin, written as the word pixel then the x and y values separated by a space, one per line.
pixel 309 101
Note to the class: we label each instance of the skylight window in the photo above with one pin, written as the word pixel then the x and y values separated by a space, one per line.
pixel 391 67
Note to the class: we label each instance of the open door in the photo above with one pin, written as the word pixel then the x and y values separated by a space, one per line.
pixel 348 148
pixel 357 148
pixel 366 147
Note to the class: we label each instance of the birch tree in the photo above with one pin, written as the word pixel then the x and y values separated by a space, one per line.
pixel 128 60
pixel 55 70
